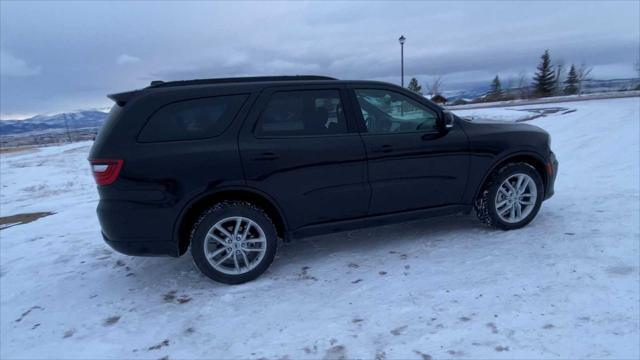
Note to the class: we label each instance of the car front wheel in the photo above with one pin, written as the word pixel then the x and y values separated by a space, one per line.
pixel 512 198
pixel 233 242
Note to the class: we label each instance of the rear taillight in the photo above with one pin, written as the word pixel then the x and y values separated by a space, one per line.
pixel 105 171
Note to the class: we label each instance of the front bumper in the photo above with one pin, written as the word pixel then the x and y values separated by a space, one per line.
pixel 552 172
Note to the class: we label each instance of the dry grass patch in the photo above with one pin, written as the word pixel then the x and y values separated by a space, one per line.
pixel 15 149
pixel 19 219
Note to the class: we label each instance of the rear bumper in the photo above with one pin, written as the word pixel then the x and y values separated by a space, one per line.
pixel 142 248
pixel 138 230
pixel 552 172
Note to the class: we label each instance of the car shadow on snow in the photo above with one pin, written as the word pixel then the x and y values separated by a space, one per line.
pixel 399 238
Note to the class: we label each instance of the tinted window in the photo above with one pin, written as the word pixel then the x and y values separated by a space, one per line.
pixel 192 119
pixel 391 112
pixel 299 113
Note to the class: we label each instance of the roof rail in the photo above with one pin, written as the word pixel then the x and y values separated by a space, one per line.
pixel 161 84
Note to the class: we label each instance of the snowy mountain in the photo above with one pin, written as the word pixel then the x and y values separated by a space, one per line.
pixel 466 91
pixel 593 85
pixel 41 123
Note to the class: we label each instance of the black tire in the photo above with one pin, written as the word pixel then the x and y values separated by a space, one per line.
pixel 222 211
pixel 485 206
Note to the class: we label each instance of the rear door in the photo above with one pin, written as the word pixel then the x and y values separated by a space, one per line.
pixel 299 147
pixel 413 162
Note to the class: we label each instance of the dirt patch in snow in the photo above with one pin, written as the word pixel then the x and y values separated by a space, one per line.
pixel 620 270
pixel 19 219
pixel 540 112
pixel 164 343
pixel 337 352
pixel 17 149
pixel 111 320
pixel 28 312
pixel 423 355
pixel 399 330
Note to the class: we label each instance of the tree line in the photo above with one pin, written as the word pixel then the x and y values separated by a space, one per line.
pixel 550 79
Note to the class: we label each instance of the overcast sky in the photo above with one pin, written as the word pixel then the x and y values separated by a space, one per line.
pixel 60 56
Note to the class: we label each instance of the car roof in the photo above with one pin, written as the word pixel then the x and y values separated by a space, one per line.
pixel 248 83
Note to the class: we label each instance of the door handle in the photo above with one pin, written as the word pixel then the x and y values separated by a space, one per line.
pixel 431 136
pixel 266 156
pixel 386 148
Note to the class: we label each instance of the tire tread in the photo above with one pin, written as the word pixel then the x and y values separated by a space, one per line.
pixel 221 206
pixel 482 203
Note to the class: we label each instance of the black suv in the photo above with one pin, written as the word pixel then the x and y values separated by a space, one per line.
pixel 229 166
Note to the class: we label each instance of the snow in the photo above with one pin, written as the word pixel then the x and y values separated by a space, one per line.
pixel 549 100
pixel 566 286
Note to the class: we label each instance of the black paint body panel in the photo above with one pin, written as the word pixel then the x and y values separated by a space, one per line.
pixel 318 184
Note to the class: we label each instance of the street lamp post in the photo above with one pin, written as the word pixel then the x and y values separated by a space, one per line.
pixel 401 40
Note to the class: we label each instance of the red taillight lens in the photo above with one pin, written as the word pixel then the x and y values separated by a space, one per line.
pixel 105 171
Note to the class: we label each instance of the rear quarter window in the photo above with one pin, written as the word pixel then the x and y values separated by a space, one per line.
pixel 192 119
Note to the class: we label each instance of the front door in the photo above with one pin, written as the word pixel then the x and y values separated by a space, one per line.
pixel 414 163
pixel 299 147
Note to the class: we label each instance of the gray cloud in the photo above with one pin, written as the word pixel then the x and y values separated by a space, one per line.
pixel 90 49
pixel 11 65
pixel 124 59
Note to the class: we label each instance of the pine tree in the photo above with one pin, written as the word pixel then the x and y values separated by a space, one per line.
pixel 572 82
pixel 415 86
pixel 495 92
pixel 544 79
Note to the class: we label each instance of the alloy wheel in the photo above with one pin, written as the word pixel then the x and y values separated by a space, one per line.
pixel 516 198
pixel 235 245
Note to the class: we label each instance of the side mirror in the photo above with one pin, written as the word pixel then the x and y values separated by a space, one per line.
pixel 449 120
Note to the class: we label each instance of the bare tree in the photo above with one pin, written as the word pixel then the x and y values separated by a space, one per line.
pixel 510 88
pixel 523 84
pixel 583 75
pixel 435 85
pixel 66 125
pixel 560 75
pixel 510 83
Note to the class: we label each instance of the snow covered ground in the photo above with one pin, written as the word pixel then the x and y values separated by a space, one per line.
pixel 549 100
pixel 566 286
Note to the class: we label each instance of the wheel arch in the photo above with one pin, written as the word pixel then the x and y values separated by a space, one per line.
pixel 531 158
pixel 200 203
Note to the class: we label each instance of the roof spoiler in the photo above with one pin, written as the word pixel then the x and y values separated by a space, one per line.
pixel 122 98
pixel 162 84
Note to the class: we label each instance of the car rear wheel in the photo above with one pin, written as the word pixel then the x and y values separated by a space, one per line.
pixel 512 198
pixel 233 242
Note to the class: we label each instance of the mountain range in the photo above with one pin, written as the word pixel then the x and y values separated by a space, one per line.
pixel 82 119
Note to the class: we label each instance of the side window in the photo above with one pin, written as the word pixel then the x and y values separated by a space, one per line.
pixel 192 119
pixel 302 113
pixel 387 111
